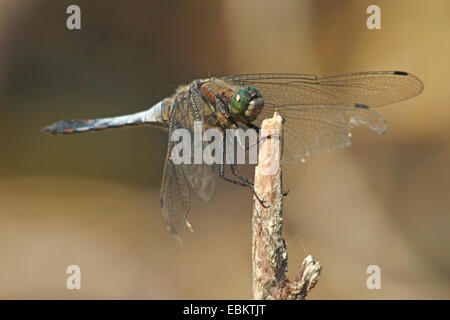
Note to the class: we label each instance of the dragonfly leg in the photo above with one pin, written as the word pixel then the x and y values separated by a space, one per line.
pixel 244 181
pixel 248 181
pixel 258 131
pixel 234 168
pixel 240 183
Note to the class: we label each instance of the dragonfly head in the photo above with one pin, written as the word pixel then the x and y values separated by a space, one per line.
pixel 247 103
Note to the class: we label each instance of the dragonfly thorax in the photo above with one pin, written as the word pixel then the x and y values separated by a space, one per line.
pixel 246 103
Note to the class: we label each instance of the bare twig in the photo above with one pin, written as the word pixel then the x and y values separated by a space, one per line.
pixel 269 252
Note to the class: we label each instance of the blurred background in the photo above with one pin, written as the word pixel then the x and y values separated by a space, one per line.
pixel 92 199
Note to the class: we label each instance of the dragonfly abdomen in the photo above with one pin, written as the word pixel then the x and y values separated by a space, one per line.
pixel 156 116
pixel 83 125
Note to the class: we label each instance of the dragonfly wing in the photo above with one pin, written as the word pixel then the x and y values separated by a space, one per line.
pixel 320 111
pixel 201 178
pixel 174 197
pixel 373 89
pixel 315 129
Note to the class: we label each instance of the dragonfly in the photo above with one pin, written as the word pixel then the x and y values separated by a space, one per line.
pixel 319 114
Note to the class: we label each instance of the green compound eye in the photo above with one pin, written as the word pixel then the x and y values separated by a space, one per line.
pixel 240 101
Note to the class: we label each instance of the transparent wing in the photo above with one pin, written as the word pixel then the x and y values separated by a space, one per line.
pixel 320 111
pixel 322 128
pixel 373 89
pixel 174 197
pixel 201 178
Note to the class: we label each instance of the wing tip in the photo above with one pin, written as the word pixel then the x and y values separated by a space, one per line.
pixel 411 76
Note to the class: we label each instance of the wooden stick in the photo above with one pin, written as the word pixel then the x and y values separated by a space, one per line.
pixel 269 252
